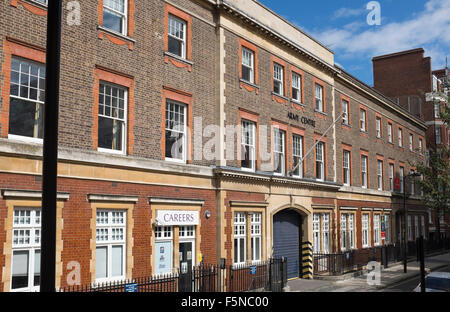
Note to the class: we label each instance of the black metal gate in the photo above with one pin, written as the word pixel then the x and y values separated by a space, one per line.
pixel 185 280
pixel 277 274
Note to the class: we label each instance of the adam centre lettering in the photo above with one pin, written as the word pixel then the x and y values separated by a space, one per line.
pixel 174 217
pixel 303 120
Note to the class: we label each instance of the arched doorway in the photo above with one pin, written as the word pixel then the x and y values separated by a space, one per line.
pixel 287 239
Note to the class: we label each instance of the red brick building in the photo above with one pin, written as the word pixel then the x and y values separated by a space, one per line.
pixel 191 132
pixel 407 78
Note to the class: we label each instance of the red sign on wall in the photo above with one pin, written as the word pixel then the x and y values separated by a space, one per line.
pixel 397 184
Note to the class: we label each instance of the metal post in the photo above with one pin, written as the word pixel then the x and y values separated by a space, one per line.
pixel 50 149
pixel 405 244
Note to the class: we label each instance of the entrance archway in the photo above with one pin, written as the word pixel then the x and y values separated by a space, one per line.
pixel 287 239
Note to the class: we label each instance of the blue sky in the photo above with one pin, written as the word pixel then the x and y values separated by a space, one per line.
pixel 342 26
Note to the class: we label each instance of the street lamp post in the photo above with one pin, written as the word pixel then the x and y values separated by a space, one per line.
pixel 405 216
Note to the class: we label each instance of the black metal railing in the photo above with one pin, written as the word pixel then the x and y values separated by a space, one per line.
pixel 354 260
pixel 268 275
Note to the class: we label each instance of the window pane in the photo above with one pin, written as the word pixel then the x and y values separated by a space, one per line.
pixel 112 21
pixel 101 262
pixel 110 133
pixel 117 261
pixel 20 265
pixel 26 118
pixel 175 46
pixel 37 267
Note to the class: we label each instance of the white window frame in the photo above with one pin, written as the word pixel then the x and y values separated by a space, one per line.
pixel 422 221
pixel 20 227
pixel 378 126
pixel 380 174
pixel 278 78
pixel 345 109
pixel 344 244
pixel 420 146
pixel 183 23
pixel 116 222
pixel 40 100
pixel 282 152
pixel 437 110
pixel 376 229
pixel 326 233
pixel 240 236
pixel 387 229
pixel 400 137
pixel 177 129
pixel 297 85
pixel 365 230
pixel 402 174
pixel 437 131
pixel 256 236
pixel 249 127
pixel 364 165
pixel 123 121
pixel 318 97
pixel 351 230
pixel 413 184
pixel 320 159
pixel 316 233
pixel 249 56
pixel 390 133
pixel 297 152
pixel 346 166
pixel 123 15
pixel 391 177
pixel 362 120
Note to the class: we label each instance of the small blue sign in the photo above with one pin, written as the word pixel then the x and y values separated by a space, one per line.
pixel 131 288
pixel 253 270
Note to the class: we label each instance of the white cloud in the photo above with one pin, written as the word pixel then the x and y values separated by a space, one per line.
pixel 428 29
pixel 347 12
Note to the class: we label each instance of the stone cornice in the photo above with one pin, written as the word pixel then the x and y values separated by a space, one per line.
pixel 25 194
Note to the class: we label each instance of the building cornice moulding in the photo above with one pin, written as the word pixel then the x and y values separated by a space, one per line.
pixel 33 195
pixel 112 198
pixel 176 201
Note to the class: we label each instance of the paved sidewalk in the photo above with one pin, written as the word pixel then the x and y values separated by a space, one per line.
pixel 392 275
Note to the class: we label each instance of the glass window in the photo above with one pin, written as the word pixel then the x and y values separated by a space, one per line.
pixel 400 137
pixel 26 255
pixel 364 171
pixel 438 135
pixel 391 177
pixel 346 167
pixel 177 36
pixel 402 175
pixel 248 145
pixel 409 229
pixel 112 117
pixel 110 245
pixel 378 125
pixel 362 120
pixel 279 151
pixel 27 96
pixel 115 15
pixel 326 232
pixel 319 97
pixel 297 154
pixel 316 233
pixel 344 231
pixel 365 230
pixel 255 233
pixel 351 230
pixel 387 228
pixel 416 226
pixel 390 139
pixel 320 161
pixel 345 111
pixel 376 229
pixel 176 139
pixel 380 175
pixel 240 238
pixel 278 79
pixel 248 65
pixel 296 87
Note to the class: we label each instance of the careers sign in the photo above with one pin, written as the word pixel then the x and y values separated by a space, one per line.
pixel 177 217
